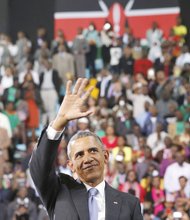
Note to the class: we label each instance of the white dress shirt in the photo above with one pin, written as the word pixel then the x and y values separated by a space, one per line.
pixel 52 134
pixel 100 198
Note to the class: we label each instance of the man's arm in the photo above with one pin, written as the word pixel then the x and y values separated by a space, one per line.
pixel 42 161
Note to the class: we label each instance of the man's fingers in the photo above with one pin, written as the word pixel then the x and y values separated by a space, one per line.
pixel 87 113
pixel 77 86
pixel 87 93
pixel 82 87
pixel 68 88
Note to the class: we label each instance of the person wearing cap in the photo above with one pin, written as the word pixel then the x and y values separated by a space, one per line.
pixel 65 197
pixel 83 124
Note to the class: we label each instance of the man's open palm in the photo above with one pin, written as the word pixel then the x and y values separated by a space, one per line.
pixel 72 106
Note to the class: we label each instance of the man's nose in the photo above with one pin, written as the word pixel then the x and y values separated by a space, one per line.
pixel 87 158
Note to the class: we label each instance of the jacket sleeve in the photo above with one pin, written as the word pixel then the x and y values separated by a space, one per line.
pixel 43 171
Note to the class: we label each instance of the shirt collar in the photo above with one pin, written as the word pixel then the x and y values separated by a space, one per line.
pixel 100 187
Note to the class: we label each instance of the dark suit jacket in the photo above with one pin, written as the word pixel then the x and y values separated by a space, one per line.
pixel 66 198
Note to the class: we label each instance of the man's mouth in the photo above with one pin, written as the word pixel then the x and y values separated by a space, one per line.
pixel 88 167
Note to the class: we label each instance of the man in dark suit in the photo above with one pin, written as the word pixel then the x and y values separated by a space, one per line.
pixel 63 196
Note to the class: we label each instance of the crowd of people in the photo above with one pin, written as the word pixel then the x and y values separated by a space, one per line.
pixel 141 105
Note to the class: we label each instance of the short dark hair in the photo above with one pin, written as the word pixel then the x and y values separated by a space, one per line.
pixel 81 134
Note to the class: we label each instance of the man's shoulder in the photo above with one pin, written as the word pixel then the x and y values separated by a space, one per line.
pixel 127 197
pixel 172 166
pixel 69 181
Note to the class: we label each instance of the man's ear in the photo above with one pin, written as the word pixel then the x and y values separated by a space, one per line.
pixel 70 165
pixel 106 156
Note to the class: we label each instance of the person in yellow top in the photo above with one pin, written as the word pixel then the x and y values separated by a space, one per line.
pixel 121 145
pixel 179 29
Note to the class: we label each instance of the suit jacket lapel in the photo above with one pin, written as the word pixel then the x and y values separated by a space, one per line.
pixel 113 203
pixel 80 199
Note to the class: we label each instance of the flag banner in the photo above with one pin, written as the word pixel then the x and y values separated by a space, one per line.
pixel 69 15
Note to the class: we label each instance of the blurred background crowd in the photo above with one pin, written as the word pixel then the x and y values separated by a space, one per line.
pixel 141 105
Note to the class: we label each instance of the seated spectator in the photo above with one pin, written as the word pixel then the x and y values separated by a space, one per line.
pixel 155 52
pixel 5 123
pixel 22 207
pixel 125 123
pixel 164 102
pixel 185 108
pixel 165 63
pixel 167 211
pixel 142 64
pixel 184 138
pixel 12 93
pixel 62 163
pixel 7 79
pixel 29 71
pixel 143 166
pixel 174 171
pixel 156 139
pixel 182 196
pixel 132 186
pixel 157 194
pixel 110 140
pixel 118 170
pixel 138 96
pixel 151 121
pixel 184 57
pixel 122 145
pixel 5 143
pixel 133 138
pixel 168 155
pixel 12 115
pixel 115 91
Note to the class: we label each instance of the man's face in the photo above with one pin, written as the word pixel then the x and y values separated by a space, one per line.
pixel 180 158
pixel 87 159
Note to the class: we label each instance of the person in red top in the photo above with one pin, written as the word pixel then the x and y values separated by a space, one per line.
pixel 142 64
pixel 110 140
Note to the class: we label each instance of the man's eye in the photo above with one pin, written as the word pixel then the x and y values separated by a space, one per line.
pixel 78 155
pixel 93 150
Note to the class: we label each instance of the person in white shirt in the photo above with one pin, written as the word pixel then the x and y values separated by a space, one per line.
pixel 174 171
pixel 35 75
pixel 63 196
pixel 139 97
pixel 184 57
pixel 7 79
pixel 156 140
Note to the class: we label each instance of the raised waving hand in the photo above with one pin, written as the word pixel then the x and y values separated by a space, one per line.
pixel 72 105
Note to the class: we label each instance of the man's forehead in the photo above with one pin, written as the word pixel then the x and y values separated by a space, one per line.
pixel 84 143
